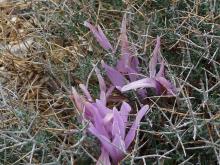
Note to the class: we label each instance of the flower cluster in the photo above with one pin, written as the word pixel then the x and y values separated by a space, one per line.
pixel 156 80
pixel 109 125
pixel 128 66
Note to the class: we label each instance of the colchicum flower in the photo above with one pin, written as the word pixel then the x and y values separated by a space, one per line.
pixel 128 63
pixel 100 36
pixel 108 125
pixel 156 80
pixel 126 75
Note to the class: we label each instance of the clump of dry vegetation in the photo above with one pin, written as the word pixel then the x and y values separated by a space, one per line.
pixel 45 50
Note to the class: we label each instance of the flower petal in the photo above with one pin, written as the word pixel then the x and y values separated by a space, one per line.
pixel 143 83
pixel 109 91
pixel 104 158
pixel 99 35
pixel 102 84
pixel 86 92
pixel 127 60
pixel 133 75
pixel 119 149
pixel 106 143
pixel 105 41
pixel 96 119
pixel 171 89
pixel 107 119
pixel 103 110
pixel 154 58
pixel 118 126
pixel 123 63
pixel 134 63
pixel 124 111
pixel 161 71
pixel 131 133
pixel 77 99
pixel 103 97
pixel 115 77
pixel 124 39
pixel 90 111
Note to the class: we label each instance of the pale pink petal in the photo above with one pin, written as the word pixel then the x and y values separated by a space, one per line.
pixel 108 118
pixel 97 118
pixel 118 126
pixel 77 99
pixel 124 111
pixel 133 75
pixel 106 143
pixel 171 89
pixel 102 84
pixel 104 158
pixel 103 97
pixel 134 63
pixel 124 38
pixel 161 71
pixel 115 77
pixel 104 39
pixel 123 25
pixel 143 83
pixel 99 35
pixel 123 63
pixel 109 91
pixel 107 121
pixel 86 92
pixel 103 110
pixel 90 111
pixel 119 149
pixel 131 133
pixel 154 59
pixel 125 59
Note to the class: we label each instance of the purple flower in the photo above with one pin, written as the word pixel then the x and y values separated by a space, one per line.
pixel 99 35
pixel 127 64
pixel 126 75
pixel 156 79
pixel 108 125
pixel 116 78
pixel 80 100
pixel 114 140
